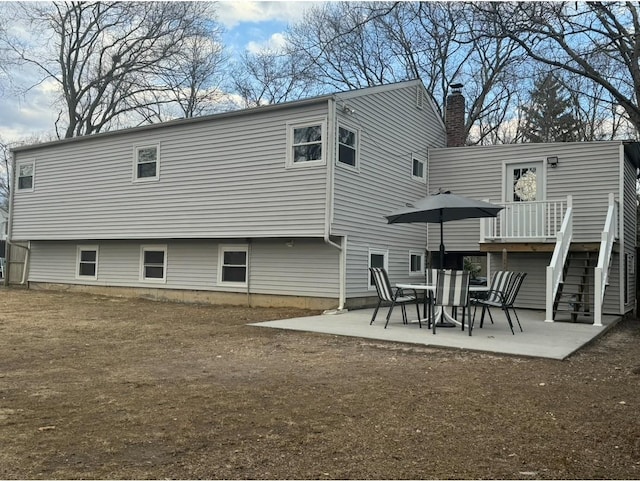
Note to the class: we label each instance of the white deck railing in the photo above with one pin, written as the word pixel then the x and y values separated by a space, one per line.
pixel 536 220
pixel 601 280
pixel 558 259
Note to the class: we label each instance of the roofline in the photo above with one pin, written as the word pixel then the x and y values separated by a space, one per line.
pixel 181 121
pixel 222 115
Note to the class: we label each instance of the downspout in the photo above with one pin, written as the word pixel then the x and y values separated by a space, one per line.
pixel 10 232
pixel 249 272
pixel 328 217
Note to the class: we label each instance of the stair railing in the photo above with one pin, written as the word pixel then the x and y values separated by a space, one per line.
pixel 608 237
pixel 558 259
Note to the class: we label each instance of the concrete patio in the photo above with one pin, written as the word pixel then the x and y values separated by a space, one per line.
pixel 553 340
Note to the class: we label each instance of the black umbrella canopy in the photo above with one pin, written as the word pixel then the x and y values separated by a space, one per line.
pixel 443 208
pixel 440 208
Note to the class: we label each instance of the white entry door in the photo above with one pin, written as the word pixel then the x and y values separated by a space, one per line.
pixel 524 189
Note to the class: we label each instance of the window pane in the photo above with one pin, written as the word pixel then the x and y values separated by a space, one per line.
pixel 234 274
pixel 154 257
pixel 147 170
pixel 525 185
pixel 416 263
pixel 377 260
pixel 347 155
pixel 26 170
pixel 87 269
pixel 304 153
pixel 25 182
pixel 346 137
pixel 147 154
pixel 418 168
pixel 307 134
pixel 235 258
pixel 88 256
pixel 153 272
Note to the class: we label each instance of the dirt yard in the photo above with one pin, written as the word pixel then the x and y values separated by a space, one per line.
pixel 97 387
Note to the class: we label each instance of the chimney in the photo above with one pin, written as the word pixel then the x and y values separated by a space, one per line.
pixel 454 117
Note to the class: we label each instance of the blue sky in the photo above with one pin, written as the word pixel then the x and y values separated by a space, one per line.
pixel 248 24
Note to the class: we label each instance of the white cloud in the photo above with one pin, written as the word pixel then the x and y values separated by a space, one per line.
pixel 33 115
pixel 275 43
pixel 232 13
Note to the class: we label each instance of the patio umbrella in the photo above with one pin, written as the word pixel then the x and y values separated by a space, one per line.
pixel 441 208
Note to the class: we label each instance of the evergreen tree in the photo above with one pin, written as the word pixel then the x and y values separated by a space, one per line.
pixel 549 117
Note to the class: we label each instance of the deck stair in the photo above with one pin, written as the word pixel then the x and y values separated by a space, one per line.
pixel 574 301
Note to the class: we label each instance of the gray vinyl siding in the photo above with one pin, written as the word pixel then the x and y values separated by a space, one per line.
pixel 391 128
pixel 629 221
pixel 219 178
pixel 308 268
pixel 589 171
pixel 532 293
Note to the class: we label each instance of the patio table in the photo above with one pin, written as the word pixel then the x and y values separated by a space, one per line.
pixel 431 288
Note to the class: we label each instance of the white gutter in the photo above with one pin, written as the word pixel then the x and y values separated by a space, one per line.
pixel 328 217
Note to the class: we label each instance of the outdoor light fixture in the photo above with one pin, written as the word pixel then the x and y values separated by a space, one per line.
pixel 552 162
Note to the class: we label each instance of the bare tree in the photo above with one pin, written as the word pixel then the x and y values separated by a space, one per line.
pixel 353 45
pixel 269 76
pixel 195 77
pixel 5 175
pixel 109 58
pixel 597 41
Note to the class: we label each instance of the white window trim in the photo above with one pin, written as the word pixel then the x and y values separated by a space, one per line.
pixel 152 247
pixel 322 121
pixel 422 259
pixel 381 252
pixel 357 147
pixel 33 174
pixel 422 179
pixel 81 248
pixel 137 148
pixel 222 248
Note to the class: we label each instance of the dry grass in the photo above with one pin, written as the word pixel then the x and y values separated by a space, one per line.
pixel 94 387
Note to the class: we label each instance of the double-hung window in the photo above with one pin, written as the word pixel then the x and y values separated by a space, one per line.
pixel 418 168
pixel 305 143
pixel 87 262
pixel 233 265
pixel 153 263
pixel 347 146
pixel 416 263
pixel 26 173
pixel 377 258
pixel 146 163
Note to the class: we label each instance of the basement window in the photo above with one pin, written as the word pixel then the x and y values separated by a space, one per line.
pixel 233 264
pixel 418 169
pixel 87 262
pixel 377 258
pixel 416 263
pixel 153 263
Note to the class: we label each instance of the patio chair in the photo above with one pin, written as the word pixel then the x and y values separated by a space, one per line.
pixel 452 290
pixel 500 284
pixel 386 294
pixel 504 300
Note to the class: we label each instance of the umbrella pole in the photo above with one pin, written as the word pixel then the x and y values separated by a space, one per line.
pixel 442 322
